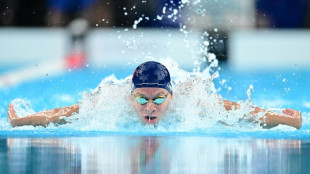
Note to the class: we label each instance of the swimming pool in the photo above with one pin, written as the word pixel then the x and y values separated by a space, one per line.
pixel 89 147
pixel 215 150
pixel 153 154
pixel 278 89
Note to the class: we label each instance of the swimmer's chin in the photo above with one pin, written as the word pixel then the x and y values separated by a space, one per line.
pixel 150 119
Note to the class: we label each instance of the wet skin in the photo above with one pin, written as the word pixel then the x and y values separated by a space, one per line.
pixel 151 113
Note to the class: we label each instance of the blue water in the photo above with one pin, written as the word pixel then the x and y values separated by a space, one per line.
pixel 267 86
pixel 154 154
pixel 291 87
pixel 271 90
pixel 213 150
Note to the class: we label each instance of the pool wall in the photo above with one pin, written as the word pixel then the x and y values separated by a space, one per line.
pixel 271 50
pixel 258 49
pixel 105 47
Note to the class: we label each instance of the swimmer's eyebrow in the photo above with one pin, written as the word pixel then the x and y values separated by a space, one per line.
pixel 156 95
pixel 160 93
pixel 142 95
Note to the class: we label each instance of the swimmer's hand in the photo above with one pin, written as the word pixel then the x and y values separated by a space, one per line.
pixel 271 119
pixel 288 117
pixel 41 118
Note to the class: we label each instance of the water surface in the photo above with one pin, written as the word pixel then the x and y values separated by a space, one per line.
pixel 153 154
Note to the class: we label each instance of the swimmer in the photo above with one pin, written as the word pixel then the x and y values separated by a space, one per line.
pixel 151 95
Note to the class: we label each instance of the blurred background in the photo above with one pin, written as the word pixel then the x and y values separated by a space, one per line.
pixel 42 39
pixel 245 33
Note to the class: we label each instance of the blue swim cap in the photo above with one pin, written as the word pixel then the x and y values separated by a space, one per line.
pixel 151 74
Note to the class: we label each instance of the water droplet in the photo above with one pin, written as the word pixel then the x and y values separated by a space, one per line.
pixel 185 1
pixel 159 17
pixel 206 43
pixel 175 11
pixel 136 22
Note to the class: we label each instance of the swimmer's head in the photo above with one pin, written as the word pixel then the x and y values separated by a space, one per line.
pixel 151 74
pixel 151 92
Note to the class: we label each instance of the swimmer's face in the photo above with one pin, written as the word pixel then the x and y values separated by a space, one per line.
pixel 151 111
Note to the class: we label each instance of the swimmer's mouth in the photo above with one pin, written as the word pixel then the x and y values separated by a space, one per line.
pixel 150 119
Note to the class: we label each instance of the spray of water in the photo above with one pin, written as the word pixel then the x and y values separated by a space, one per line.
pixel 22 107
pixel 195 104
pixel 109 107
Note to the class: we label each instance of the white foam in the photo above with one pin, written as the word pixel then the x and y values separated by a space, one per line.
pixel 195 105
pixel 22 107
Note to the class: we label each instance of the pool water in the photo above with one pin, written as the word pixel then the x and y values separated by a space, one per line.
pixel 154 154
pixel 214 150
pixel 281 89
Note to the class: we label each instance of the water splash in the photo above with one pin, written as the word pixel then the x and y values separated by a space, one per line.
pixel 109 107
pixel 136 22
pixel 195 105
pixel 22 107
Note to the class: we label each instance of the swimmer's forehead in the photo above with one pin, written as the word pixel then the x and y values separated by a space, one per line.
pixel 149 92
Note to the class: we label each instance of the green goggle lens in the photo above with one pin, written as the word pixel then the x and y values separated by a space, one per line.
pixel 158 100
pixel 141 100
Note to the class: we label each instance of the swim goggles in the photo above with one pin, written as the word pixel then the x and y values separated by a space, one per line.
pixel 157 100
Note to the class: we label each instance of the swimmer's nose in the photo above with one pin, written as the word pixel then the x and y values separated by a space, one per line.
pixel 150 108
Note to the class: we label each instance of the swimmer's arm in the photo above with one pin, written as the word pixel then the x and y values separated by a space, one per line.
pixel 271 119
pixel 41 118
